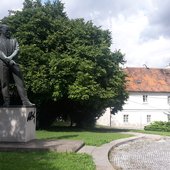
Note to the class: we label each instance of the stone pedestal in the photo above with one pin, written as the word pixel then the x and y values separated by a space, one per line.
pixel 17 124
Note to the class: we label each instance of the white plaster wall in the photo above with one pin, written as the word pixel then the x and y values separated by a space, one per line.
pixel 157 106
pixel 137 119
pixel 105 119
pixel 155 101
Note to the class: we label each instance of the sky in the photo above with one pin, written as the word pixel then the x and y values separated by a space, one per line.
pixel 140 28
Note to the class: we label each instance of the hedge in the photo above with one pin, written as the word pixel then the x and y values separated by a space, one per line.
pixel 158 126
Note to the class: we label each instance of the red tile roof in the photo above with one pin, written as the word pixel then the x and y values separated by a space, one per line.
pixel 148 79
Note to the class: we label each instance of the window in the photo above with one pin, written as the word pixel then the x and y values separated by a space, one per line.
pixel 125 118
pixel 145 98
pixel 148 118
pixel 169 100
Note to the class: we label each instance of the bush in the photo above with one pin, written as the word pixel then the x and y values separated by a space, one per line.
pixel 158 126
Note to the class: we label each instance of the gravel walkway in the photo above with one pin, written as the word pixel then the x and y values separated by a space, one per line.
pixel 143 154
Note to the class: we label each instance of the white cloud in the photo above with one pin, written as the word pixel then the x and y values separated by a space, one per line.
pixel 159 24
pixel 133 25
pixel 87 8
pixel 154 53
pixel 126 36
pixel 6 5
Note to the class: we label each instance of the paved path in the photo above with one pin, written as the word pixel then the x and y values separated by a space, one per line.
pixel 100 154
pixel 142 152
pixel 150 153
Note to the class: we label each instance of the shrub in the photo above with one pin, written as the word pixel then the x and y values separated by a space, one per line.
pixel 158 126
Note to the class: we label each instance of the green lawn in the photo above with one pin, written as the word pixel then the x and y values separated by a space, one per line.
pixel 94 137
pixel 45 161
pixel 60 161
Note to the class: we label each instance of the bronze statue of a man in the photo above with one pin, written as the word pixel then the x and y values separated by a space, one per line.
pixel 9 50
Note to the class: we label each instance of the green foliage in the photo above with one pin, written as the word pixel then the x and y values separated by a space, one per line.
pixel 158 126
pixel 68 67
pixel 45 161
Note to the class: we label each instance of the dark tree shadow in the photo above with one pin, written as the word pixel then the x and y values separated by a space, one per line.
pixel 95 129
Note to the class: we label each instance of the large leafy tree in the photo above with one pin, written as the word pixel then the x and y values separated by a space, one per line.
pixel 68 66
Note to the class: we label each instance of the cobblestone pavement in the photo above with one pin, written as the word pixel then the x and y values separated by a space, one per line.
pixel 143 154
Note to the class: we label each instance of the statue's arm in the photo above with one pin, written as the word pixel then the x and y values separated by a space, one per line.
pixel 3 57
pixel 10 59
pixel 16 51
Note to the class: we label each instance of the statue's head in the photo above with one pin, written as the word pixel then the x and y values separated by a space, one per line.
pixel 5 30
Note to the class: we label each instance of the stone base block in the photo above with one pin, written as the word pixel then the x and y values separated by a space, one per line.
pixel 17 124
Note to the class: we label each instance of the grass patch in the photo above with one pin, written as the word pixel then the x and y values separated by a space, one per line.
pixel 153 132
pixel 60 161
pixel 45 161
pixel 94 137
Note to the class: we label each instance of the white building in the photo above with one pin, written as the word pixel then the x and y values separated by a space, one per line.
pixel 149 99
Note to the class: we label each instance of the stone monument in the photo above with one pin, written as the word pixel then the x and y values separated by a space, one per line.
pixel 17 123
